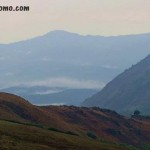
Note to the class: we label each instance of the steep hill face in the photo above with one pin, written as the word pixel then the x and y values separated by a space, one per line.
pixel 100 123
pixel 127 92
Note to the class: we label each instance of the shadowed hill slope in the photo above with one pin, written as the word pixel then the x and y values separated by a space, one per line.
pixel 127 92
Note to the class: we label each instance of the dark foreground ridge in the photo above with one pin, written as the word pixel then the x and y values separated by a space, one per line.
pixel 74 127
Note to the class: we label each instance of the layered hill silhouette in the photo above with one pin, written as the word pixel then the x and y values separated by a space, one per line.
pixel 43 95
pixel 95 123
pixel 68 60
pixel 128 92
pixel 60 54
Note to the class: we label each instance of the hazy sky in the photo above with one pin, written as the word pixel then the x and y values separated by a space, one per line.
pixel 97 17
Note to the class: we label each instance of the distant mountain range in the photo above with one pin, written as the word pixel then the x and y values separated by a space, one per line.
pixel 128 92
pixel 83 64
pixel 69 60
pixel 42 95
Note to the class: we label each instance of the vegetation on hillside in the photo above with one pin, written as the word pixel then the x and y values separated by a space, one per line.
pixel 16 136
pixel 74 127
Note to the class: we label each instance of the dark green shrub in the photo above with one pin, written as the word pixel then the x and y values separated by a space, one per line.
pixel 67 132
pixel 56 130
pixel 91 135
pixel 71 133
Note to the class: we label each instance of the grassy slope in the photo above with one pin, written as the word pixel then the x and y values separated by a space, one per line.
pixel 105 124
pixel 15 136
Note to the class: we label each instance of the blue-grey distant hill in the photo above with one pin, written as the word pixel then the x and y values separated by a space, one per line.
pixel 69 61
pixel 42 95
pixel 60 54
pixel 128 92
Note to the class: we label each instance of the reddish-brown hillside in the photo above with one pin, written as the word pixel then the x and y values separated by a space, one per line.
pixel 105 124
pixel 15 108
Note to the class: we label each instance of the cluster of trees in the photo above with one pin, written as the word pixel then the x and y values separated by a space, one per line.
pixel 137 112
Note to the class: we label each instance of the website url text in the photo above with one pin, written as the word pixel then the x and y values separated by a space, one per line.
pixel 17 8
